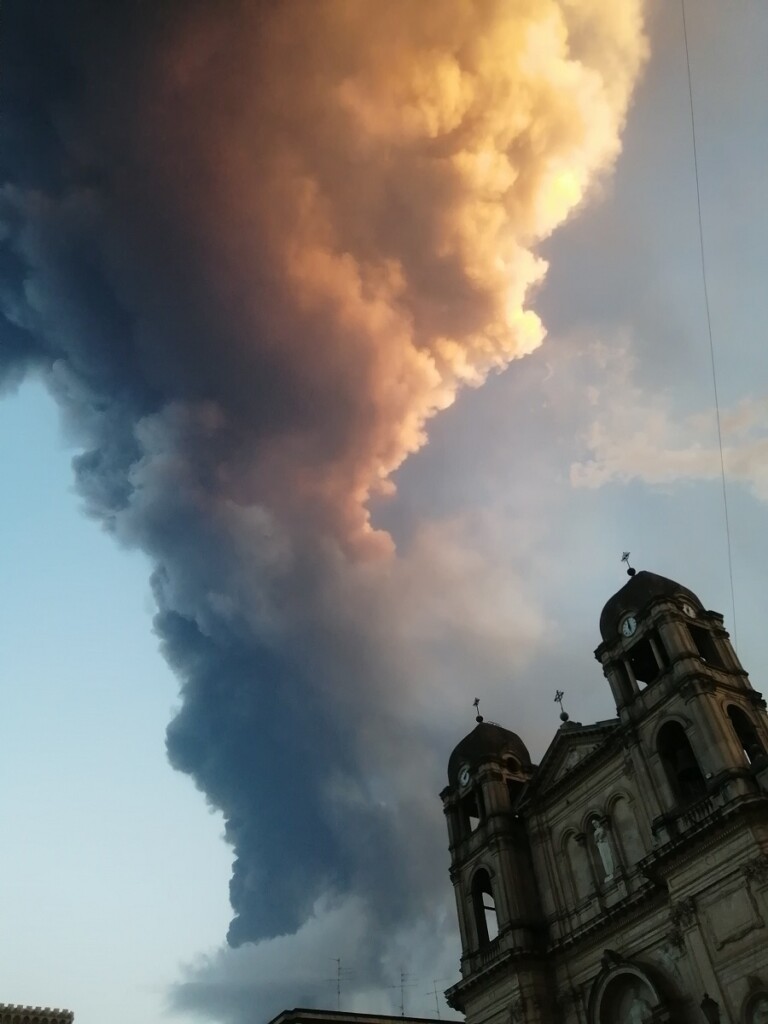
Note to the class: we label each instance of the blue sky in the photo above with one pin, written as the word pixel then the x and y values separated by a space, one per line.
pixel 509 525
pixel 115 873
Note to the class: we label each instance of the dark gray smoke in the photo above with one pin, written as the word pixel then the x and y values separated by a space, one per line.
pixel 252 248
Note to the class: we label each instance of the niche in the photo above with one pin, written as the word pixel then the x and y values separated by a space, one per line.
pixel 581 875
pixel 627 832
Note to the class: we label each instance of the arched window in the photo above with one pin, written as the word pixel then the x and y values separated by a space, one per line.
pixel 680 764
pixel 485 908
pixel 746 733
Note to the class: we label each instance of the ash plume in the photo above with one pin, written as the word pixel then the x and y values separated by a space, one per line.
pixel 253 248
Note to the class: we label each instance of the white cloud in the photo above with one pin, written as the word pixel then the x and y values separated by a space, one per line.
pixel 638 435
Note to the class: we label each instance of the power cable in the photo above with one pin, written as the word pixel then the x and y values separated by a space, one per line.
pixel 709 329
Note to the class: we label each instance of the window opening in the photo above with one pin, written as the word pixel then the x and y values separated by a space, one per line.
pixel 747 734
pixel 485 909
pixel 472 808
pixel 625 681
pixel 661 650
pixel 644 662
pixel 680 764
pixel 705 644
pixel 513 789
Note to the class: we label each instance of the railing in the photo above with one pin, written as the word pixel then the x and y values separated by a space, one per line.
pixel 491 951
pixel 696 813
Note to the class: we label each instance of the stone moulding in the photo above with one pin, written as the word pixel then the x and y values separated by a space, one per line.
pixel 757 870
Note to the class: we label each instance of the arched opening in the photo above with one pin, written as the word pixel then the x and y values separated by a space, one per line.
pixel 648 658
pixel 485 908
pixel 514 784
pixel 473 810
pixel 628 997
pixel 706 646
pixel 747 734
pixel 682 769
pixel 757 1008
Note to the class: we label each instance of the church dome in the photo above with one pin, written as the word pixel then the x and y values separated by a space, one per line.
pixel 486 740
pixel 642 589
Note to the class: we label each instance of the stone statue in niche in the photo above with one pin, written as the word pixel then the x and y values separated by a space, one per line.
pixel 640 1011
pixel 604 848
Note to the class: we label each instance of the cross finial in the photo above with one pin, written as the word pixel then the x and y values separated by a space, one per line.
pixel 559 700
pixel 625 558
pixel 476 706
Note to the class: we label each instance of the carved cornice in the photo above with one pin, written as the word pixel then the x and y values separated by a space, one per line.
pixel 754 697
pixel 726 819
pixel 617 916
pixel 697 686
pixel 501 964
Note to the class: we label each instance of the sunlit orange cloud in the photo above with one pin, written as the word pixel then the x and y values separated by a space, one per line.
pixel 367 183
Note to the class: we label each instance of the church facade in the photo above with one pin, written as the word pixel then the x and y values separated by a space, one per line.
pixel 625 878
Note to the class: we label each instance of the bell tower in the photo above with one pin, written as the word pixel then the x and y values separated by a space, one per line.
pixel 696 723
pixel 500 916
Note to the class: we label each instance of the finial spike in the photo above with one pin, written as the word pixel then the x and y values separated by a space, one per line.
pixel 625 558
pixel 476 706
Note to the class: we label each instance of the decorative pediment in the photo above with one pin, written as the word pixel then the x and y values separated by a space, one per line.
pixel 573 744
pixel 576 753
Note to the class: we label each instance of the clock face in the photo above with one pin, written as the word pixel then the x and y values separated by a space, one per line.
pixel 689 610
pixel 463 775
pixel 628 625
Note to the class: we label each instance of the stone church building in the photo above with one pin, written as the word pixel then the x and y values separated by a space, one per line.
pixel 624 879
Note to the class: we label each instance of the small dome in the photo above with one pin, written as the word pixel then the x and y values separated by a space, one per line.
pixel 486 740
pixel 642 589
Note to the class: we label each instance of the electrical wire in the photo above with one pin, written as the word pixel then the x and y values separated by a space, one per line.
pixel 709 329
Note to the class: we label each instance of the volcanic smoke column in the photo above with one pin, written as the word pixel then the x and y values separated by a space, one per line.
pixel 253 248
